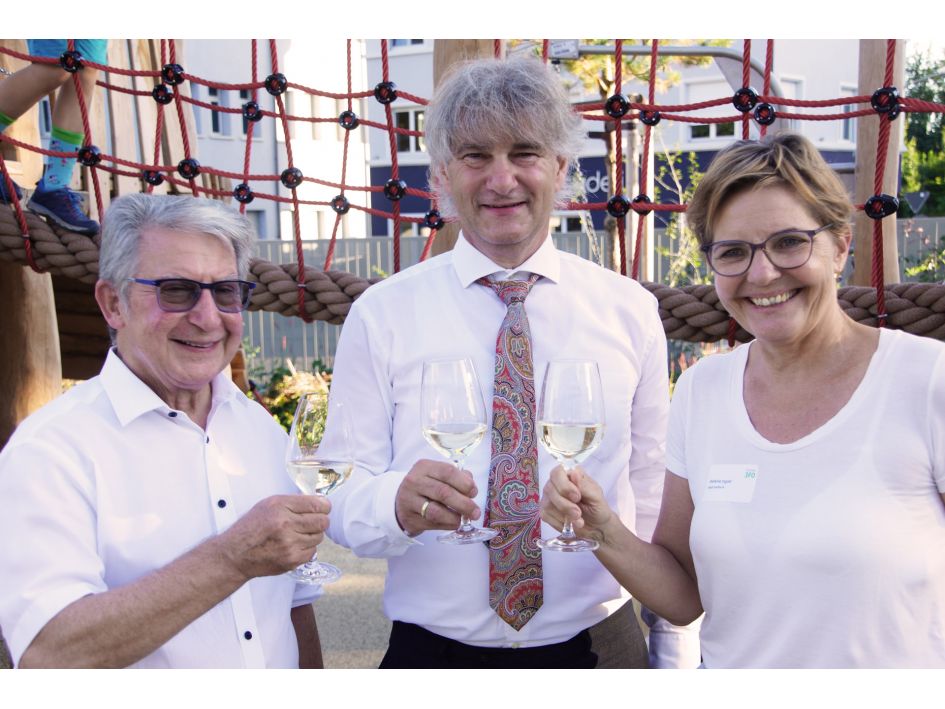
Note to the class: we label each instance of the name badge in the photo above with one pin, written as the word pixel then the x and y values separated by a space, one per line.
pixel 731 483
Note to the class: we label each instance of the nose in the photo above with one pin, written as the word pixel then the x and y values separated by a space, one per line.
pixel 761 269
pixel 501 175
pixel 205 313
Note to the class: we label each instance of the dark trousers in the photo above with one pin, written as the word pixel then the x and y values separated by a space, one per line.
pixel 615 642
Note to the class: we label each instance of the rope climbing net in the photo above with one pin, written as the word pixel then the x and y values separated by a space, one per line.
pixel 690 313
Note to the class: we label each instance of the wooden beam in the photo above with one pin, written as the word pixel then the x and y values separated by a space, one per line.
pixel 29 345
pixel 446 53
pixel 25 166
pixel 871 77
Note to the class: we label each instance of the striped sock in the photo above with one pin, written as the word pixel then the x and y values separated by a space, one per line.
pixel 58 173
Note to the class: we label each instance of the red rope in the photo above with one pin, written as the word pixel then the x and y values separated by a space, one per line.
pixel 344 167
pixel 544 50
pixel 769 65
pixel 250 125
pixel 618 149
pixel 746 80
pixel 394 167
pixel 87 131
pixel 20 217
pixel 644 172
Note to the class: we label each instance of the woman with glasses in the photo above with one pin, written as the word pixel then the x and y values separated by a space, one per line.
pixel 804 502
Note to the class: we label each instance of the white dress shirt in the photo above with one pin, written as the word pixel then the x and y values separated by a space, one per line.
pixel 107 483
pixel 437 310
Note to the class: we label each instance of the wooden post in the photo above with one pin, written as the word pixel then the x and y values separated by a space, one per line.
pixel 29 345
pixel 446 53
pixel 871 77
pixel 25 166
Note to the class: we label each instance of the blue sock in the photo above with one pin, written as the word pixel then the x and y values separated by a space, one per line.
pixel 58 173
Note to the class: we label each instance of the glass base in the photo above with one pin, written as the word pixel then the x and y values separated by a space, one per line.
pixel 568 544
pixel 467 534
pixel 315 573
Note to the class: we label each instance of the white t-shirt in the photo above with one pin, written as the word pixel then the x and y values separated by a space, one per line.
pixel 828 551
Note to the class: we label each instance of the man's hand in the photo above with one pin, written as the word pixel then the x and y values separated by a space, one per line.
pixel 433 496
pixel 276 535
pixel 574 495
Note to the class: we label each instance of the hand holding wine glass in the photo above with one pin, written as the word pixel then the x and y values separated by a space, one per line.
pixel 571 426
pixel 454 422
pixel 316 469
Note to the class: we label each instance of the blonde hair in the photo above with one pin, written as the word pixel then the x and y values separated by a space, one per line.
pixel 784 159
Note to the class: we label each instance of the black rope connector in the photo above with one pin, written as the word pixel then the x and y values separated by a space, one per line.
pixel 618 206
pixel 152 177
pixel 650 117
pixel 172 74
pixel 617 106
pixel 745 99
pixel 243 193
pixel 252 112
pixel 340 204
pixel 386 92
pixel 395 190
pixel 162 94
pixel 291 177
pixel 642 199
pixel 885 100
pixel 433 220
pixel 276 84
pixel 348 120
pixel 71 61
pixel 881 205
pixel 188 168
pixel 89 155
pixel 764 114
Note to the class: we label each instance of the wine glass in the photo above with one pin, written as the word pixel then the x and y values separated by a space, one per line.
pixel 314 473
pixel 454 422
pixel 571 426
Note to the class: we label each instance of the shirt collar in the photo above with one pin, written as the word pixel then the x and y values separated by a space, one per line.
pixel 130 397
pixel 471 264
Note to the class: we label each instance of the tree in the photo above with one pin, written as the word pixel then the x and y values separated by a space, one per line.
pixel 923 165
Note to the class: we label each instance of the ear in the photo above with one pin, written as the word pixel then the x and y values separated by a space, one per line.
pixel 561 174
pixel 842 241
pixel 109 302
pixel 440 179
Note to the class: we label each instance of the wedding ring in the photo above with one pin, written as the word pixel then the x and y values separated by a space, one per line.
pixel 423 509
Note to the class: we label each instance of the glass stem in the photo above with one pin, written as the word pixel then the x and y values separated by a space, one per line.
pixel 567 530
pixel 464 524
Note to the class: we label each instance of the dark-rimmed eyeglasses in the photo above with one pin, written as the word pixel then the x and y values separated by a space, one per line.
pixel 787 249
pixel 178 295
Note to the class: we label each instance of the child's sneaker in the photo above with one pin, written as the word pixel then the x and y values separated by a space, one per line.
pixel 65 208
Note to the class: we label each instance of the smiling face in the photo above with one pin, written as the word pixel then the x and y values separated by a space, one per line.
pixel 779 306
pixel 176 354
pixel 504 195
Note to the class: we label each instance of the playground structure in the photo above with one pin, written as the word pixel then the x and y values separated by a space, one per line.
pixel 52 325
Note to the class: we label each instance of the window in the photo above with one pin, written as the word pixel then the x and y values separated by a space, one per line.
pixel 258 219
pixel 848 125
pixel 793 89
pixel 697 92
pixel 45 118
pixel 405 42
pixel 216 122
pixel 411 119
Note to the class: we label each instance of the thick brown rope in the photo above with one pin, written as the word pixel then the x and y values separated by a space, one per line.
pixel 690 313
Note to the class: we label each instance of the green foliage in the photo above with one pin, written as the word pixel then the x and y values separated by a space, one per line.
pixel 930 269
pixel 686 262
pixel 281 388
pixel 923 163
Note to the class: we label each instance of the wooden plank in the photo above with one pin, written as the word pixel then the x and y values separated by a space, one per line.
pixel 121 109
pixel 871 71
pixel 140 59
pixel 173 132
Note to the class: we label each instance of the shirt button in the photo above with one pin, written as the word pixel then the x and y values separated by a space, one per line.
pixel 221 503
pixel 172 414
pixel 208 439
pixel 248 635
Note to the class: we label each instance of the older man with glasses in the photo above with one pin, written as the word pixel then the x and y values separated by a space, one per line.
pixel 149 521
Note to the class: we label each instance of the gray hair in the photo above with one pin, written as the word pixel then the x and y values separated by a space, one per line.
pixel 130 215
pixel 493 101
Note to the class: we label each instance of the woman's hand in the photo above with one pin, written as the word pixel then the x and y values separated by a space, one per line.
pixel 574 495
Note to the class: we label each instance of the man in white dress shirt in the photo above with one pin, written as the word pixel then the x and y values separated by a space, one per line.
pixel 148 520
pixel 503 142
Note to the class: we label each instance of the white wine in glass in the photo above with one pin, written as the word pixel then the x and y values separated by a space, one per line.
pixel 570 427
pixel 316 469
pixel 454 422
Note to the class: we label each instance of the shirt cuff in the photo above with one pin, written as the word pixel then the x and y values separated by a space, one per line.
pixel 385 497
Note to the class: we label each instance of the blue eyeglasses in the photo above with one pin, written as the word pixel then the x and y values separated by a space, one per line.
pixel 178 295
